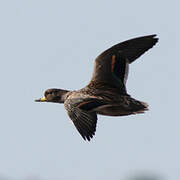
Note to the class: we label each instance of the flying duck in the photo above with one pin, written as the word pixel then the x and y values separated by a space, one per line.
pixel 106 93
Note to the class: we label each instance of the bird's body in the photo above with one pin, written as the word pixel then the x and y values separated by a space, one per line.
pixel 106 101
pixel 106 93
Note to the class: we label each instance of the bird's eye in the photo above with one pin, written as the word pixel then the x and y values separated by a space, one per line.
pixel 47 93
pixel 51 92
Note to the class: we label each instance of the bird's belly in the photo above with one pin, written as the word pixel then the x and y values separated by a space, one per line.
pixel 109 110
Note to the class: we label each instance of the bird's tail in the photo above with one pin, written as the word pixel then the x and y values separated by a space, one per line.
pixel 138 106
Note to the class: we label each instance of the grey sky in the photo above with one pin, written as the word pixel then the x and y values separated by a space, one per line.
pixel 53 44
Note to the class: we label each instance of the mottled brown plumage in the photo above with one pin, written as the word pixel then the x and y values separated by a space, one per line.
pixel 106 93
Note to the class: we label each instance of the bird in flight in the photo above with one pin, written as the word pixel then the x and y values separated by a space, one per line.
pixel 106 93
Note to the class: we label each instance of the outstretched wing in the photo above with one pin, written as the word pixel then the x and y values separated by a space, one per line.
pixel 84 119
pixel 111 67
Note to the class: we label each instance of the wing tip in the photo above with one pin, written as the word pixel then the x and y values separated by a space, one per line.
pixel 154 38
pixel 87 131
pixel 88 137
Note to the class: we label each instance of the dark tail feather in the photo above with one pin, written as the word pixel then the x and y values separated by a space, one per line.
pixel 139 107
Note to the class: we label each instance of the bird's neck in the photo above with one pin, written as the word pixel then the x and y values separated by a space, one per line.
pixel 63 94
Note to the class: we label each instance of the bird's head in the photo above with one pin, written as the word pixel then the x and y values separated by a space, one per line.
pixel 53 95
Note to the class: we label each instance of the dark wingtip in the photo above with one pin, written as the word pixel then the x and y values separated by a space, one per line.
pixel 87 138
pixel 153 36
pixel 155 39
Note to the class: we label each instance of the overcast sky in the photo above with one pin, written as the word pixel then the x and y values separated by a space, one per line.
pixel 54 43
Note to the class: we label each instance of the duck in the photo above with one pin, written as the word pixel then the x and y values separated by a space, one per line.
pixel 106 93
